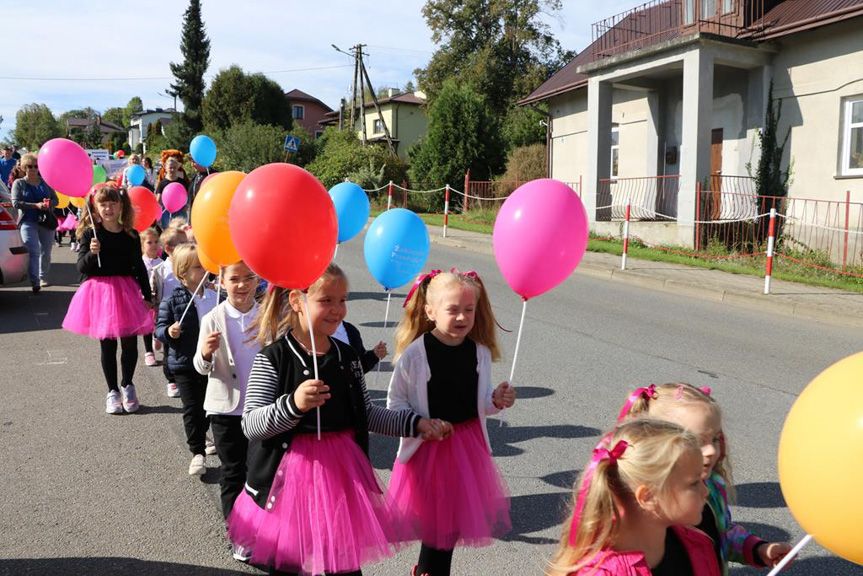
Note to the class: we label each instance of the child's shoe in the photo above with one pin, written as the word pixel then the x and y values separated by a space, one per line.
pixel 241 554
pixel 130 398
pixel 150 359
pixel 73 246
pixel 209 447
pixel 173 391
pixel 112 403
pixel 198 466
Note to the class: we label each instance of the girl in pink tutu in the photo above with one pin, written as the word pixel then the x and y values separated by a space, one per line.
pixel 114 299
pixel 314 506
pixel 451 490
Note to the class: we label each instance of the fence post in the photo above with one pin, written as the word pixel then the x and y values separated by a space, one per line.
pixel 771 241
pixel 580 185
pixel 405 193
pixel 446 211
pixel 390 195
pixel 697 216
pixel 625 238
pixel 845 244
pixel 466 204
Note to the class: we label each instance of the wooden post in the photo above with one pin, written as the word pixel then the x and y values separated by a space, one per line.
pixel 697 216
pixel 466 191
pixel 845 243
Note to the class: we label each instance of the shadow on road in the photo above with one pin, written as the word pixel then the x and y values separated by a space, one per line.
pixel 164 409
pixel 503 437
pixel 760 495
pixel 768 532
pixel 534 513
pixel 106 566
pixel 565 479
pixel 822 566
pixel 529 392
pixel 24 311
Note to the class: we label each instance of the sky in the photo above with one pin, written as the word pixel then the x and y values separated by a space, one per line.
pixel 69 54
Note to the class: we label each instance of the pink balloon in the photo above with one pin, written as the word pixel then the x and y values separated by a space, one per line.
pixel 65 166
pixel 174 197
pixel 540 236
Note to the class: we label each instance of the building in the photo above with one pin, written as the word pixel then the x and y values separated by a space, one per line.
pixel 141 122
pixel 663 109
pixel 307 111
pixel 404 115
pixel 85 126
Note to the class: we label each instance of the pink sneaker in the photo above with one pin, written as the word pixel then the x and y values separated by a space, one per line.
pixel 150 359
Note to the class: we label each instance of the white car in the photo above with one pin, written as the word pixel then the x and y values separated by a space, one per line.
pixel 14 257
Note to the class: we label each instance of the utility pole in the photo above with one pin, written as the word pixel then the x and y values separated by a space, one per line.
pixel 358 50
pixel 378 108
pixel 354 89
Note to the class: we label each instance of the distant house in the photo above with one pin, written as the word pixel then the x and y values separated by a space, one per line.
pixel 307 111
pixel 662 110
pixel 141 121
pixel 85 126
pixel 404 115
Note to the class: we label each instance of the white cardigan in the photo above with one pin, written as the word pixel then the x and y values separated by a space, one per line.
pixel 409 389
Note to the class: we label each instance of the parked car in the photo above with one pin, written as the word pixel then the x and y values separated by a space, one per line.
pixel 14 257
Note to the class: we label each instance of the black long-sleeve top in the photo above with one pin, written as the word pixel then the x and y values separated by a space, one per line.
pixel 120 255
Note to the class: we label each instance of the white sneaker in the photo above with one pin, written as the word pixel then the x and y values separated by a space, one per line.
pixel 112 403
pixel 241 554
pixel 173 391
pixel 209 447
pixel 130 398
pixel 198 466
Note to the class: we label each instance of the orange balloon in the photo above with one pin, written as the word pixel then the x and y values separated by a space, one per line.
pixel 210 217
pixel 206 262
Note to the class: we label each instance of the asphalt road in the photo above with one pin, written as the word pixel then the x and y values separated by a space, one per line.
pixel 89 493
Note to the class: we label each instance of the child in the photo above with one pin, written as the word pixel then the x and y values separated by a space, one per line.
pixel 633 506
pixel 114 300
pixel 698 412
pixel 152 257
pixel 226 349
pixel 349 334
pixel 314 506
pixel 164 282
pixel 181 340
pixel 452 491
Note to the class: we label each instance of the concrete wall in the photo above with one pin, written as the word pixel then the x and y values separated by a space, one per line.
pixel 406 123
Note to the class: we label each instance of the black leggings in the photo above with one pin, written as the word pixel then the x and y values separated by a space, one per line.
pixel 148 342
pixel 128 360
pixel 434 562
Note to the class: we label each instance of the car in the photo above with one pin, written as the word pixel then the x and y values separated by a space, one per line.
pixel 14 256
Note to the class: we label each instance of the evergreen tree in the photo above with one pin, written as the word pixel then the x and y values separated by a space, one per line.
pixel 770 180
pixel 189 84
pixel 235 96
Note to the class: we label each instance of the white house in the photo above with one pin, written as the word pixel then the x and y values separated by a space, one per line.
pixel 142 120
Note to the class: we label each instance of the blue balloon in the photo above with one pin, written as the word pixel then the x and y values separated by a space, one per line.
pixel 396 247
pixel 136 174
pixel 203 150
pixel 352 209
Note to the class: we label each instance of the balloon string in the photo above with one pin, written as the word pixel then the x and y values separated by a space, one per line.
pixel 386 322
pixel 515 355
pixel 790 556
pixel 336 253
pixel 314 352
pixel 219 287
pixel 192 299
pixel 93 223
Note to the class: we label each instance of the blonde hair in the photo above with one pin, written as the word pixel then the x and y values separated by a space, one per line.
pixel 185 256
pixel 680 396
pixel 654 449
pixel 178 222
pixel 110 192
pixel 172 160
pixel 172 237
pixel 134 159
pixel 416 322
pixel 148 233
pixel 276 316
pixel 28 156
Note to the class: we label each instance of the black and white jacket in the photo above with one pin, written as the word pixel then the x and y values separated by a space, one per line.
pixel 270 415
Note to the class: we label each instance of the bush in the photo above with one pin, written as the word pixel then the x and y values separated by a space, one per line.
pixel 247 145
pixel 526 163
pixel 340 156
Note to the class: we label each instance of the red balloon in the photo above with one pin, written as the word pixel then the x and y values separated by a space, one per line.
pixel 120 153
pixel 145 206
pixel 284 225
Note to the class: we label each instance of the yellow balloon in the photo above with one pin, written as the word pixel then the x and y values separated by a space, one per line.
pixel 63 200
pixel 821 458
pixel 76 201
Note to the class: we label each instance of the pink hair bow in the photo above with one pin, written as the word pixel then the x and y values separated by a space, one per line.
pixel 420 279
pixel 600 454
pixel 468 274
pixel 637 394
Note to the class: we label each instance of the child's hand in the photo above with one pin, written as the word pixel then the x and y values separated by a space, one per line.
pixel 434 429
pixel 174 330
pixel 95 246
pixel 503 396
pixel 211 344
pixel 381 350
pixel 311 394
pixel 773 553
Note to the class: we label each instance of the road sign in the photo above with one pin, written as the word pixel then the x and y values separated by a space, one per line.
pixel 292 143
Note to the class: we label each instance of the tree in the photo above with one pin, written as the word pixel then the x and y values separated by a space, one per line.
pixel 134 106
pixel 93 137
pixel 523 127
pixel 189 75
pixel 35 124
pixel 115 116
pixel 770 180
pixel 341 155
pixel 247 145
pixel 235 96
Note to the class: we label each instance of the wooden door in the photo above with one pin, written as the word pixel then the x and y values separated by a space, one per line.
pixel 716 174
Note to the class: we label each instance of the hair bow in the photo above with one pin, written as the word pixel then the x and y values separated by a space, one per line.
pixel 600 454
pixel 468 274
pixel 637 394
pixel 422 278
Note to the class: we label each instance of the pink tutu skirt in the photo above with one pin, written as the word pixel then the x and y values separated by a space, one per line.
pixel 329 516
pixel 452 491
pixel 108 307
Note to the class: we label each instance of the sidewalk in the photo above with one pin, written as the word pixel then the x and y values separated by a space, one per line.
pixel 789 298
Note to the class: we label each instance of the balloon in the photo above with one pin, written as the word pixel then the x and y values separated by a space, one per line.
pixel 65 166
pixel 210 217
pixel 352 209
pixel 174 197
pixel 145 206
pixel 206 179
pixel 540 236
pixel 99 174
pixel 203 150
pixel 63 200
pixel 819 459
pixel 136 174
pixel 396 247
pixel 284 225
pixel 120 153
pixel 206 261
pixel 77 201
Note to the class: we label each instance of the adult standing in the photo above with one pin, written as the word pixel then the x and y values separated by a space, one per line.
pixel 15 154
pixel 150 172
pixel 201 174
pixel 133 160
pixel 172 174
pixel 7 163
pixel 36 202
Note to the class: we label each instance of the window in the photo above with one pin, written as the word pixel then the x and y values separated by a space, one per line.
pixel 852 149
pixel 318 134
pixel 689 12
pixel 615 148
pixel 379 126
pixel 299 112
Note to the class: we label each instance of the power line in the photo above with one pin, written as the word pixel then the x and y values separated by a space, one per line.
pixel 146 78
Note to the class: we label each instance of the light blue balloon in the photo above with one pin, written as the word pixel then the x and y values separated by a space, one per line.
pixel 396 247
pixel 352 209
pixel 136 174
pixel 203 150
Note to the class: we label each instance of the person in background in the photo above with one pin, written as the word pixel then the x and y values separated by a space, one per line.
pixel 36 201
pixel 198 178
pixel 133 160
pixel 172 174
pixel 150 179
pixel 7 163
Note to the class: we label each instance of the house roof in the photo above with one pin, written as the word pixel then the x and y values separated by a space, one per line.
pixel 785 17
pixel 156 111
pixel 86 123
pixel 398 98
pixel 300 95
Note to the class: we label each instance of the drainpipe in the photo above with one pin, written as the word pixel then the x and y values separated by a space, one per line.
pixel 548 127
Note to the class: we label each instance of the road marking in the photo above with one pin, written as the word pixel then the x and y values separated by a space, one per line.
pixel 55 358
